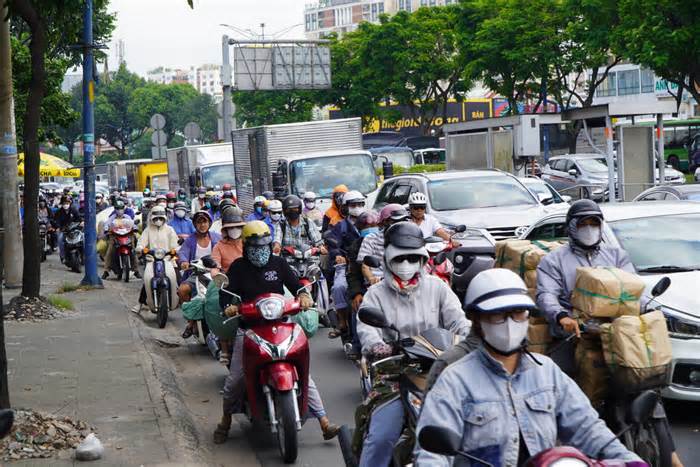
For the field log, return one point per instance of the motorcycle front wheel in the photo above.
(287, 426)
(126, 267)
(651, 442)
(162, 307)
(75, 261)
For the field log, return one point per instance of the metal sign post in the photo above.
(158, 137)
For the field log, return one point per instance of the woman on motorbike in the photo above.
(506, 404)
(258, 272)
(412, 302)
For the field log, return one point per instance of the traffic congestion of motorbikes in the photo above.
(439, 329)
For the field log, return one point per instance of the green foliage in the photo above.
(255, 108)
(61, 303)
(425, 168)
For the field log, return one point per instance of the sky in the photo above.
(169, 33)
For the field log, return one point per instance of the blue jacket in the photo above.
(345, 233)
(189, 247)
(182, 226)
(488, 407)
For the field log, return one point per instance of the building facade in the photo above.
(205, 78)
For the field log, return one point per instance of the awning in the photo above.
(50, 166)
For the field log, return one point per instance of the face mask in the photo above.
(201, 196)
(65, 206)
(158, 222)
(180, 214)
(163, 204)
(258, 255)
(368, 230)
(258, 209)
(505, 337)
(181, 196)
(310, 205)
(234, 232)
(171, 205)
(356, 211)
(588, 235)
(405, 269)
(120, 212)
(293, 215)
(276, 216)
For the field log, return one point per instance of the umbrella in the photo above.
(50, 166)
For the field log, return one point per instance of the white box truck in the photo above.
(298, 157)
(208, 165)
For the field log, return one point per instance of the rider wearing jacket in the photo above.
(63, 217)
(505, 404)
(412, 302)
(259, 272)
(119, 213)
(295, 230)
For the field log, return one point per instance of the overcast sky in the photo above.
(169, 33)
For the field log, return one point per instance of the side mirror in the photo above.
(661, 287)
(220, 279)
(372, 261)
(573, 172)
(372, 317)
(460, 228)
(642, 407)
(439, 440)
(208, 262)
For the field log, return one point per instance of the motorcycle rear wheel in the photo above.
(75, 262)
(287, 426)
(162, 307)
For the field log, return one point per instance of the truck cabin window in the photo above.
(217, 175)
(322, 174)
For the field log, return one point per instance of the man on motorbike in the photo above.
(119, 213)
(195, 247)
(230, 247)
(506, 404)
(295, 230)
(311, 211)
(214, 207)
(429, 225)
(182, 196)
(413, 302)
(226, 203)
(170, 199)
(199, 203)
(158, 235)
(334, 214)
(373, 244)
(100, 203)
(274, 208)
(259, 272)
(258, 213)
(64, 216)
(181, 223)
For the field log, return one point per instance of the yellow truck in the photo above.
(137, 174)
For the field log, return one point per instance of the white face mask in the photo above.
(588, 235)
(180, 213)
(505, 337)
(405, 269)
(158, 222)
(201, 196)
(234, 232)
(356, 211)
(310, 204)
(171, 205)
(276, 216)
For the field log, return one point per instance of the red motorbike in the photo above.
(439, 265)
(276, 367)
(122, 234)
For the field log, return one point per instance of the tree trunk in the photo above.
(32, 119)
(71, 149)
(4, 384)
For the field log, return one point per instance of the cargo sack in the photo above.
(592, 374)
(194, 309)
(607, 292)
(212, 314)
(308, 320)
(521, 256)
(538, 335)
(638, 351)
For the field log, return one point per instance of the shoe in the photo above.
(137, 274)
(187, 333)
(330, 430)
(350, 352)
(105, 275)
(136, 309)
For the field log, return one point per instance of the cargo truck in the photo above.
(137, 174)
(298, 157)
(208, 165)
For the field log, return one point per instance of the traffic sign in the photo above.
(192, 131)
(158, 138)
(157, 122)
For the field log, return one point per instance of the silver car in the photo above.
(578, 175)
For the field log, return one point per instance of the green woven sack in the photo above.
(193, 310)
(308, 320)
(212, 313)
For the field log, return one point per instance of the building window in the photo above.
(628, 82)
(608, 87)
(374, 12)
(381, 8)
(405, 5)
(647, 80)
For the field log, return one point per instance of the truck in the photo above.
(137, 174)
(207, 165)
(294, 158)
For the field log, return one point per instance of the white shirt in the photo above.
(200, 252)
(428, 226)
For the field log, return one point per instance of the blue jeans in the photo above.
(340, 288)
(59, 239)
(384, 431)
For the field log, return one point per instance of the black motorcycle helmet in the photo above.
(119, 204)
(268, 194)
(181, 192)
(584, 208)
(291, 206)
(404, 235)
(225, 203)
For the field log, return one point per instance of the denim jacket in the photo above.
(477, 398)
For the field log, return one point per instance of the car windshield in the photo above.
(593, 165)
(661, 241)
(695, 196)
(322, 174)
(434, 157)
(477, 192)
(543, 190)
(403, 158)
(217, 175)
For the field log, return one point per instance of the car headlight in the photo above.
(681, 327)
(415, 401)
(271, 308)
(159, 253)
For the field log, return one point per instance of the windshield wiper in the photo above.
(666, 268)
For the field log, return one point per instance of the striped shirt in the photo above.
(373, 245)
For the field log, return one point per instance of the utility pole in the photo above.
(9, 204)
(91, 278)
(226, 104)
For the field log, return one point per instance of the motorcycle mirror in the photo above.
(642, 407)
(661, 287)
(306, 287)
(440, 258)
(439, 440)
(460, 228)
(208, 262)
(372, 317)
(221, 280)
(372, 261)
(433, 239)
(7, 419)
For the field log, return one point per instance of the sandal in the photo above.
(225, 359)
(334, 334)
(221, 433)
(187, 332)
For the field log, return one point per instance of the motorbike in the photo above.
(306, 263)
(201, 270)
(276, 367)
(439, 265)
(122, 234)
(161, 283)
(44, 245)
(410, 368)
(73, 246)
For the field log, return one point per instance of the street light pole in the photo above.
(89, 251)
(226, 105)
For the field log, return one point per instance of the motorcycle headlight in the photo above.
(159, 253)
(415, 401)
(271, 308)
(298, 254)
(568, 462)
(682, 328)
(307, 254)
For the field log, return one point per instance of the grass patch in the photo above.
(67, 287)
(61, 303)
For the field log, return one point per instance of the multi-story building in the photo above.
(205, 78)
(343, 16)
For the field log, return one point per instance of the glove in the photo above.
(231, 311)
(305, 301)
(381, 350)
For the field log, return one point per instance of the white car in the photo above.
(697, 174)
(662, 241)
(546, 193)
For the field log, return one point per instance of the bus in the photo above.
(681, 140)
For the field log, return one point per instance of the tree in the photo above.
(68, 134)
(663, 35)
(116, 119)
(255, 108)
(52, 32)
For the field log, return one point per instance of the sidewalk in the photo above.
(94, 366)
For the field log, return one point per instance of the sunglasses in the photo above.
(500, 318)
(418, 207)
(409, 258)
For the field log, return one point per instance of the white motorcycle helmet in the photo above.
(275, 208)
(417, 199)
(496, 291)
(354, 201)
(158, 213)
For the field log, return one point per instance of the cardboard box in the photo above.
(637, 341)
(607, 292)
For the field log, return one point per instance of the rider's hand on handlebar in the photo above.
(184, 265)
(276, 248)
(323, 250)
(305, 301)
(340, 260)
(381, 350)
(570, 325)
(455, 243)
(231, 311)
